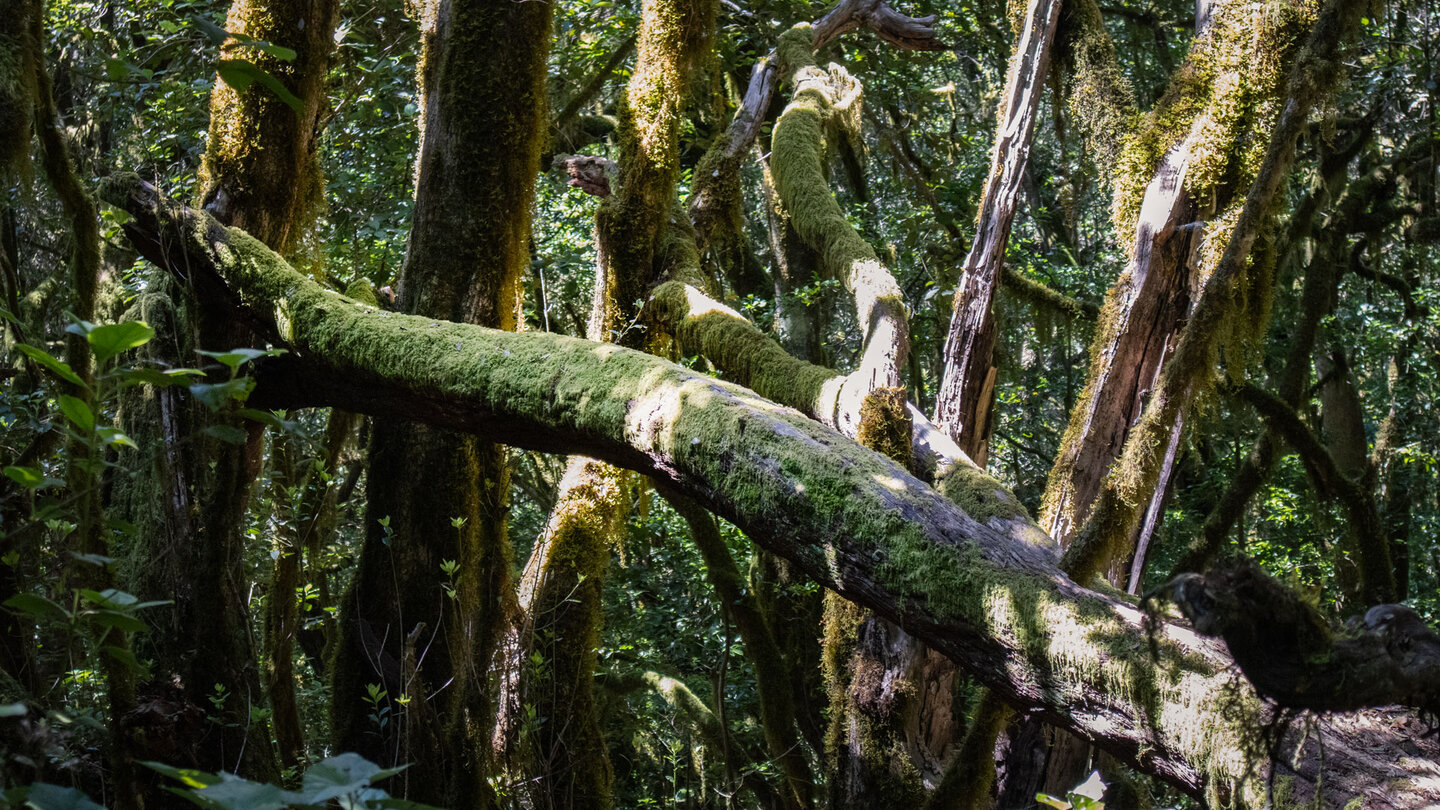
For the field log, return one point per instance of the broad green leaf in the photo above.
(217, 395)
(93, 559)
(265, 418)
(112, 339)
(115, 437)
(227, 433)
(27, 477)
(126, 657)
(118, 620)
(80, 327)
(38, 606)
(158, 378)
(77, 412)
(241, 73)
(44, 796)
(109, 597)
(235, 358)
(44, 358)
(186, 776)
(234, 793)
(13, 709)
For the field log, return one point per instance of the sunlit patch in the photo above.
(891, 483)
(702, 304)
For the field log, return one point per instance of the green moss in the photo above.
(885, 424)
(980, 495)
(363, 291)
(562, 636)
(748, 356)
(1225, 99)
(259, 168)
(630, 223)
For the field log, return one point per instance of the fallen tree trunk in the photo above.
(850, 518)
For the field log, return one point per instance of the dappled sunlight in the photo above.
(892, 483)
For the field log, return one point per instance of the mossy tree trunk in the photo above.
(853, 520)
(436, 498)
(561, 599)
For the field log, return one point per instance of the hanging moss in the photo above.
(1101, 99)
(885, 424)
(1224, 99)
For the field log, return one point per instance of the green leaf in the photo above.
(27, 477)
(337, 776)
(241, 73)
(126, 657)
(116, 437)
(146, 375)
(1092, 788)
(13, 709)
(99, 560)
(112, 339)
(234, 793)
(44, 796)
(227, 433)
(217, 395)
(235, 358)
(77, 412)
(186, 776)
(45, 359)
(38, 606)
(266, 418)
(119, 621)
(108, 597)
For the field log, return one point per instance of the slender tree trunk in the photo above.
(967, 388)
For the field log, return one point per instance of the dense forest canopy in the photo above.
(481, 403)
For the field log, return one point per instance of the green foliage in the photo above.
(347, 780)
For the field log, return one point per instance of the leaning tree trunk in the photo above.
(850, 518)
(967, 388)
(437, 499)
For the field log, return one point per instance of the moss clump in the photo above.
(885, 424)
(1224, 100)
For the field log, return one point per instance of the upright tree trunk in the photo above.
(437, 499)
(189, 504)
(561, 594)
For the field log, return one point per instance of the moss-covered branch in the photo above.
(751, 358)
(850, 518)
(825, 103)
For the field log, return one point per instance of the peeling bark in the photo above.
(967, 389)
